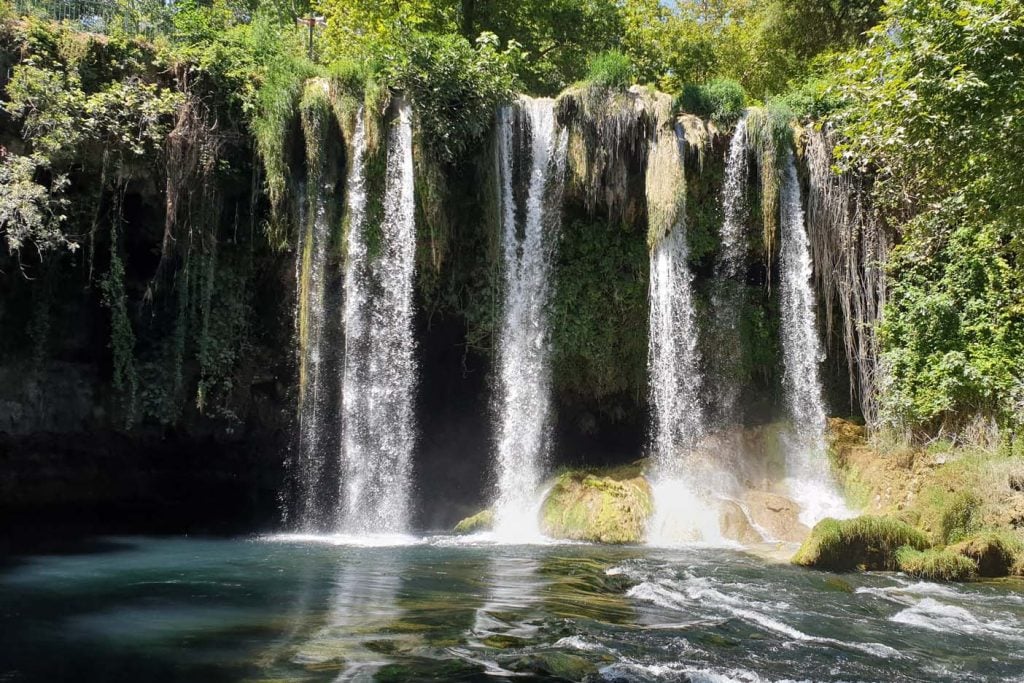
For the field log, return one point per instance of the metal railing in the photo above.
(102, 16)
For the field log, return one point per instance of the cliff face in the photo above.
(153, 358)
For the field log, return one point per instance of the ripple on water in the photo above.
(945, 618)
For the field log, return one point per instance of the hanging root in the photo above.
(849, 247)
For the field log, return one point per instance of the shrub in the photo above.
(611, 69)
(722, 101)
(811, 99)
(935, 564)
(454, 88)
(866, 542)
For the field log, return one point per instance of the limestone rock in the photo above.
(777, 515)
(481, 521)
(611, 506)
(736, 526)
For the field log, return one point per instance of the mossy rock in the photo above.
(556, 664)
(936, 564)
(501, 641)
(481, 521)
(995, 553)
(611, 506)
(867, 543)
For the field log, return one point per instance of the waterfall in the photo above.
(674, 374)
(806, 463)
(379, 372)
(316, 423)
(526, 134)
(730, 272)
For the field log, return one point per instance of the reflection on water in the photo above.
(235, 610)
(354, 640)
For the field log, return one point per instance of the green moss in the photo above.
(609, 507)
(936, 564)
(996, 553)
(500, 641)
(602, 276)
(481, 521)
(560, 665)
(866, 542)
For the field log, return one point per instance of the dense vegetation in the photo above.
(924, 97)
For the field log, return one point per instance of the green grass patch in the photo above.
(996, 553)
(611, 69)
(936, 564)
(867, 542)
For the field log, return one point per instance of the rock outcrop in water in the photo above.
(612, 506)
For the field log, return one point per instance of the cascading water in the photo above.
(674, 371)
(730, 270)
(527, 134)
(379, 374)
(316, 423)
(807, 467)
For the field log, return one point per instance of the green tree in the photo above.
(935, 111)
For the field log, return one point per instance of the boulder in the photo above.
(481, 521)
(559, 665)
(776, 516)
(609, 506)
(736, 526)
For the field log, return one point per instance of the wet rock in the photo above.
(736, 526)
(777, 515)
(611, 506)
(558, 664)
(481, 521)
(837, 585)
(500, 641)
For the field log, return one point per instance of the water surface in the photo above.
(152, 609)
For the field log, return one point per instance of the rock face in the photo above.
(735, 524)
(601, 507)
(777, 517)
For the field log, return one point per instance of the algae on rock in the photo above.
(603, 507)
(481, 521)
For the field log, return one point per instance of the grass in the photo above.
(867, 542)
(936, 564)
(610, 69)
(722, 101)
(996, 553)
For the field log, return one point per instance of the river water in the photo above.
(447, 609)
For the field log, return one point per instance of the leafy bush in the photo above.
(611, 69)
(721, 101)
(454, 87)
(812, 99)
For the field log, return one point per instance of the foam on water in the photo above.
(942, 617)
(353, 540)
